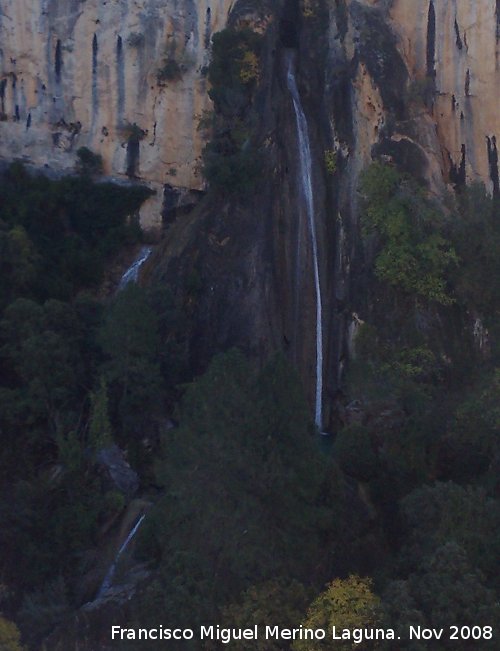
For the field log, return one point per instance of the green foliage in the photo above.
(40, 353)
(48, 523)
(279, 601)
(114, 501)
(70, 450)
(242, 474)
(43, 609)
(476, 238)
(173, 354)
(100, 427)
(233, 71)
(230, 161)
(408, 374)
(170, 71)
(346, 603)
(10, 637)
(55, 236)
(445, 512)
(472, 441)
(130, 343)
(354, 452)
(330, 161)
(445, 588)
(412, 255)
(88, 162)
(230, 168)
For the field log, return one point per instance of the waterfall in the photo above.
(132, 273)
(108, 579)
(306, 182)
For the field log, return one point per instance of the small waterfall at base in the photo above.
(108, 579)
(306, 180)
(132, 273)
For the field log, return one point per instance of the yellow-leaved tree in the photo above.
(10, 637)
(346, 604)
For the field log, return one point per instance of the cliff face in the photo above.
(377, 79)
(78, 73)
(457, 43)
(412, 81)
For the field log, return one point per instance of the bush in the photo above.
(330, 161)
(88, 162)
(354, 452)
(346, 603)
(57, 235)
(234, 172)
(170, 71)
(412, 253)
(10, 637)
(230, 161)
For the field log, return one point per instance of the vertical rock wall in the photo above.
(467, 77)
(80, 72)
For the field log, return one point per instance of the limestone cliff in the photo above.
(81, 72)
(373, 78)
(412, 81)
(456, 42)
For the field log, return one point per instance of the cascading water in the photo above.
(108, 579)
(307, 190)
(132, 273)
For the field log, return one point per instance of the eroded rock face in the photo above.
(79, 73)
(410, 81)
(457, 41)
(117, 470)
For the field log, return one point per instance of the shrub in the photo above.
(354, 452)
(330, 161)
(346, 603)
(230, 161)
(88, 162)
(170, 71)
(412, 255)
(10, 637)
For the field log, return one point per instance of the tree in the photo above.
(44, 609)
(10, 637)
(278, 601)
(412, 253)
(247, 495)
(445, 512)
(354, 452)
(346, 603)
(231, 162)
(130, 343)
(88, 162)
(100, 426)
(445, 590)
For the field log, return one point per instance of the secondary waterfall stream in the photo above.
(132, 273)
(307, 190)
(108, 579)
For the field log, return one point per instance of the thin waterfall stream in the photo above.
(132, 273)
(108, 579)
(307, 189)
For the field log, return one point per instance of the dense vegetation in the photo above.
(75, 375)
(231, 160)
(397, 524)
